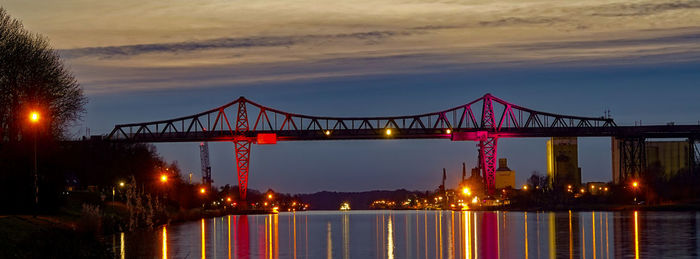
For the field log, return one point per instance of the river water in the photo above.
(423, 234)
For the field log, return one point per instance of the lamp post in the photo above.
(164, 178)
(635, 186)
(121, 185)
(34, 118)
(203, 193)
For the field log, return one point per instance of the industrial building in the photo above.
(667, 158)
(504, 176)
(631, 159)
(475, 182)
(562, 161)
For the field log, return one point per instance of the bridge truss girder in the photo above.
(479, 116)
(213, 125)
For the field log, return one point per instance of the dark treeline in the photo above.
(681, 186)
(679, 190)
(93, 166)
(358, 200)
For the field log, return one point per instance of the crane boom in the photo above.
(206, 168)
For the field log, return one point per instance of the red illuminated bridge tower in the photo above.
(485, 120)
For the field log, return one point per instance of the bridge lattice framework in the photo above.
(484, 120)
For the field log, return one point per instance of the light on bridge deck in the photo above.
(388, 132)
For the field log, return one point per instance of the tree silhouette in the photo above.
(33, 77)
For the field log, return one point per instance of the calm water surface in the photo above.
(423, 234)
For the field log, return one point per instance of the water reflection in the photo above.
(165, 243)
(390, 240)
(526, 237)
(422, 234)
(329, 243)
(204, 250)
(636, 235)
(294, 216)
(122, 251)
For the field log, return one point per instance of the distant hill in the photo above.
(326, 200)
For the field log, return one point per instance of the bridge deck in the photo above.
(659, 131)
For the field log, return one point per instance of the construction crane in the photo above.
(206, 168)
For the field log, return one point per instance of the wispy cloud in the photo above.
(640, 9)
(224, 43)
(139, 45)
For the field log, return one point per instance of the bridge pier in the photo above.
(488, 146)
(242, 146)
(694, 154)
(629, 158)
(488, 153)
(242, 166)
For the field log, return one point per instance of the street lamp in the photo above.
(34, 118)
(121, 185)
(164, 178)
(635, 186)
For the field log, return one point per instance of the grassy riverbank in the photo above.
(25, 236)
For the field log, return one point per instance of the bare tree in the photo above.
(538, 181)
(33, 77)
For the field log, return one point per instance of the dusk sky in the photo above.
(151, 60)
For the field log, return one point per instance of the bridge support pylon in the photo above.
(488, 152)
(242, 146)
(242, 166)
(629, 158)
(488, 146)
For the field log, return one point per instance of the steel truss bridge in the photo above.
(485, 120)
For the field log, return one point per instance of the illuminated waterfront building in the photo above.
(562, 161)
(504, 176)
(667, 158)
(662, 159)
